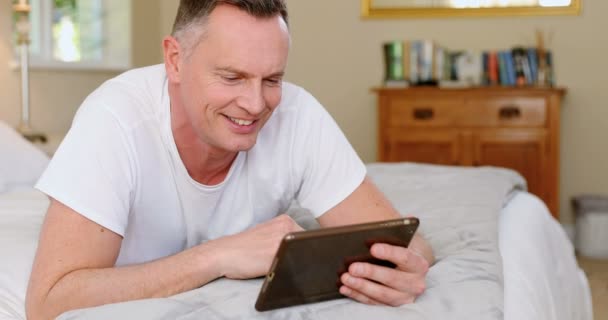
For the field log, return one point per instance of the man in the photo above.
(173, 176)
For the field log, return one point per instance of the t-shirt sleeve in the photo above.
(92, 170)
(327, 167)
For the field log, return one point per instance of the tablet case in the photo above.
(308, 264)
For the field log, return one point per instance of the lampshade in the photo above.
(21, 6)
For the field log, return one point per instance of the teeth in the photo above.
(241, 122)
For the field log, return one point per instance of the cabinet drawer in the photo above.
(424, 112)
(506, 112)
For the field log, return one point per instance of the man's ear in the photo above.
(173, 54)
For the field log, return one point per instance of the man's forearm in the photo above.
(161, 278)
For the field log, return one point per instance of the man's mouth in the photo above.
(241, 122)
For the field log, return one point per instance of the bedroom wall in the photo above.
(337, 57)
(56, 94)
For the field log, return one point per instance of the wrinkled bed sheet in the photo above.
(459, 210)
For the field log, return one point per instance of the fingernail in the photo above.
(345, 290)
(349, 280)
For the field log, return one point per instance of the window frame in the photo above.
(41, 31)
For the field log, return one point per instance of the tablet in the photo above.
(308, 264)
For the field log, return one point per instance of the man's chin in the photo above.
(242, 146)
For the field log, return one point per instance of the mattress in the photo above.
(542, 281)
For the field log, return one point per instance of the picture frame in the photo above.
(394, 9)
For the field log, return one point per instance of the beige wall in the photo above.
(55, 95)
(168, 9)
(147, 49)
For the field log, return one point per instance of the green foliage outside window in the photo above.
(66, 31)
(65, 4)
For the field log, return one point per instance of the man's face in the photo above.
(231, 82)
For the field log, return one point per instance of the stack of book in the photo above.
(416, 62)
(423, 62)
(519, 66)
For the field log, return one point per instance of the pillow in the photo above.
(21, 162)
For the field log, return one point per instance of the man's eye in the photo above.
(273, 82)
(231, 78)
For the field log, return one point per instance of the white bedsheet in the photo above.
(21, 214)
(541, 277)
(542, 281)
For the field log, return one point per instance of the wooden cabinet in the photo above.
(517, 128)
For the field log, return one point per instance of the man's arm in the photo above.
(74, 265)
(389, 286)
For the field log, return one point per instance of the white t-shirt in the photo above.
(119, 167)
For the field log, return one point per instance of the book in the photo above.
(511, 68)
(527, 68)
(518, 62)
(453, 84)
(425, 60)
(485, 77)
(550, 74)
(469, 67)
(447, 65)
(503, 73)
(396, 83)
(414, 68)
(453, 57)
(438, 63)
(493, 77)
(406, 64)
(533, 62)
(393, 59)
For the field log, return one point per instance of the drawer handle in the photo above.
(509, 112)
(423, 113)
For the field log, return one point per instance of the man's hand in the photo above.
(373, 284)
(249, 254)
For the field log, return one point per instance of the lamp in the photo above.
(22, 8)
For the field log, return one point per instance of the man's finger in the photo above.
(399, 280)
(375, 291)
(358, 296)
(405, 259)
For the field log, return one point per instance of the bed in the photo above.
(500, 253)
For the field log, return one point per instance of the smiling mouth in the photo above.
(241, 122)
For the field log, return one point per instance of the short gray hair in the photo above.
(193, 14)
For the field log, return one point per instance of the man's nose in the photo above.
(252, 99)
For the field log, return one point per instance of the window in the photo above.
(80, 34)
